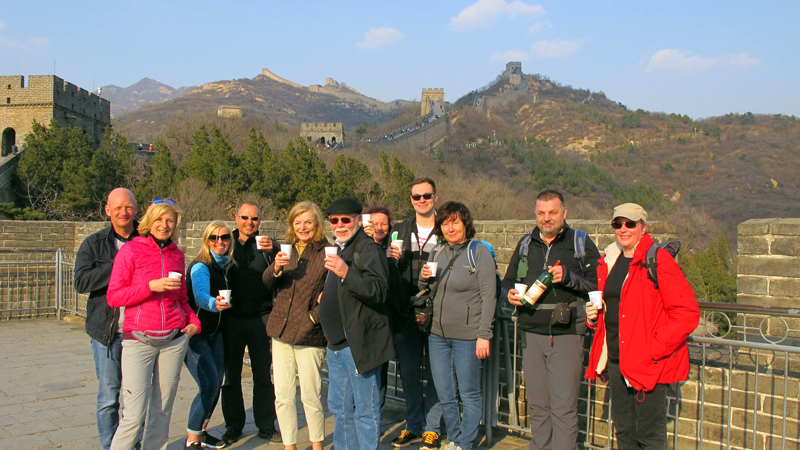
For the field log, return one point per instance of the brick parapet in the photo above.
(769, 262)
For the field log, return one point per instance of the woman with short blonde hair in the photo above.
(147, 279)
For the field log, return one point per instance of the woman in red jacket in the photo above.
(640, 332)
(157, 327)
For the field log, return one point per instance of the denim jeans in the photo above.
(354, 401)
(455, 366)
(639, 424)
(205, 360)
(423, 413)
(108, 367)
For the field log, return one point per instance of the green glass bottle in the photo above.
(538, 287)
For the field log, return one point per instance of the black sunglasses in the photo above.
(224, 237)
(344, 220)
(427, 196)
(629, 224)
(245, 218)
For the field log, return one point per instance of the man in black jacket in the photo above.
(245, 325)
(423, 412)
(104, 324)
(553, 358)
(354, 318)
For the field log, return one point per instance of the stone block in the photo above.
(753, 245)
(769, 266)
(755, 226)
(785, 246)
(35, 427)
(751, 285)
(782, 302)
(786, 226)
(785, 287)
(492, 226)
(496, 240)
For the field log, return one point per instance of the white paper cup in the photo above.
(434, 266)
(398, 244)
(177, 275)
(226, 295)
(365, 218)
(521, 288)
(596, 297)
(258, 240)
(330, 251)
(287, 248)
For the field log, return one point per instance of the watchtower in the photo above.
(328, 131)
(431, 97)
(48, 97)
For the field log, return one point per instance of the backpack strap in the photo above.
(473, 245)
(524, 246)
(580, 246)
(651, 263)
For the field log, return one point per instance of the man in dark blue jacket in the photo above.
(104, 324)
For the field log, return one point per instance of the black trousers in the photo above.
(251, 333)
(640, 418)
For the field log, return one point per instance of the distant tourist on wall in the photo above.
(103, 323)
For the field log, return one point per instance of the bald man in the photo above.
(103, 323)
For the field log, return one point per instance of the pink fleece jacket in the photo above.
(137, 263)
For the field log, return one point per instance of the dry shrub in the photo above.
(198, 202)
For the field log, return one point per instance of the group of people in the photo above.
(350, 303)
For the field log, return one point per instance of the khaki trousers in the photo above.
(150, 375)
(290, 363)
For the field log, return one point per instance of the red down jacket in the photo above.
(653, 323)
(137, 263)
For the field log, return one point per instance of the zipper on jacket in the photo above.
(161, 303)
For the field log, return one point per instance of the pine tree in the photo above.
(164, 170)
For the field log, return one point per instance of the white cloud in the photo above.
(511, 55)
(674, 61)
(13, 44)
(377, 37)
(556, 48)
(486, 12)
(539, 26)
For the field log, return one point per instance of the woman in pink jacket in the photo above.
(157, 327)
(640, 331)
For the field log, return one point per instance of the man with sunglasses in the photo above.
(104, 324)
(423, 412)
(553, 358)
(354, 315)
(245, 325)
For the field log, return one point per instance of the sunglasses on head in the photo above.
(416, 197)
(629, 224)
(223, 237)
(344, 220)
(245, 218)
(168, 201)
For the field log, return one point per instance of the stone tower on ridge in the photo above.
(431, 97)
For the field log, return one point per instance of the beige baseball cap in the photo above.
(630, 211)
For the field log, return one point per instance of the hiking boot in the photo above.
(231, 436)
(270, 434)
(430, 441)
(406, 438)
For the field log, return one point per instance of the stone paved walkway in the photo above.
(48, 394)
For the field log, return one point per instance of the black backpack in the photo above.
(651, 260)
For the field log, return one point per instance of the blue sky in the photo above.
(699, 58)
